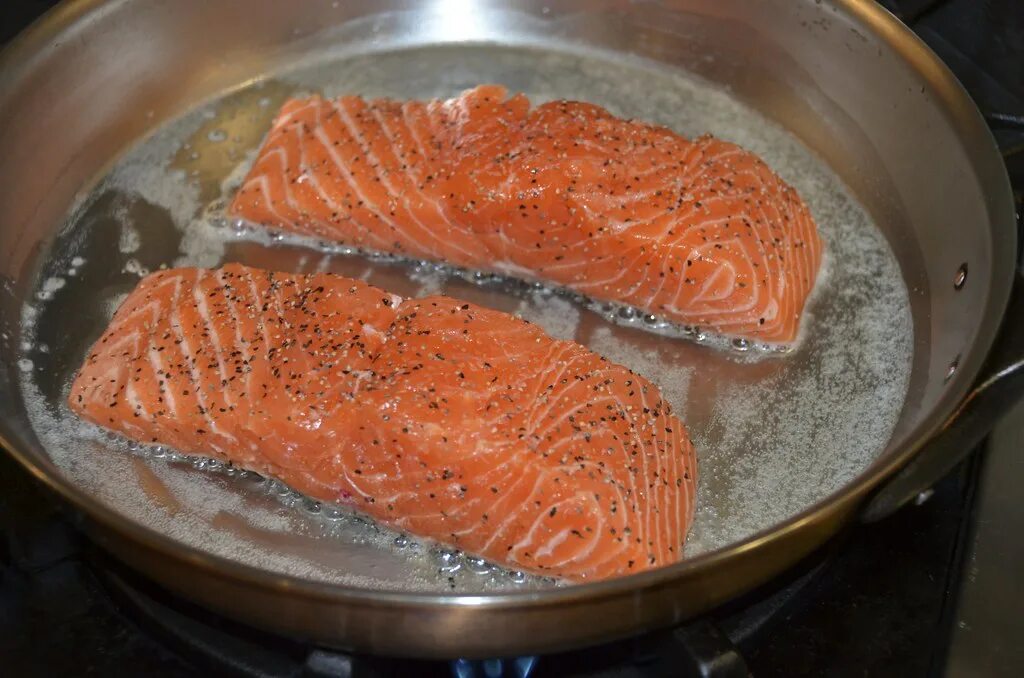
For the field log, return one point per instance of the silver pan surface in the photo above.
(777, 434)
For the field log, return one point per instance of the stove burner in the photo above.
(493, 668)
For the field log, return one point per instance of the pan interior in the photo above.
(774, 433)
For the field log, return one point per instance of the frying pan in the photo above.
(123, 123)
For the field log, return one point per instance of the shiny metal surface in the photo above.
(913, 149)
(995, 393)
(161, 206)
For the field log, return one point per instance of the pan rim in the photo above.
(870, 16)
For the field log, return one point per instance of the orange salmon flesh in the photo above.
(433, 416)
(698, 232)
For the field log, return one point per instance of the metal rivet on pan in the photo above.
(961, 276)
(923, 496)
(951, 370)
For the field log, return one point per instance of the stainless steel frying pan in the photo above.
(124, 123)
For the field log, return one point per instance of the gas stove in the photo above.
(928, 591)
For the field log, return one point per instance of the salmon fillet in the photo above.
(698, 232)
(437, 417)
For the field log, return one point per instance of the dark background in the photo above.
(16, 14)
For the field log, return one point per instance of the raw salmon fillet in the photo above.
(434, 416)
(699, 232)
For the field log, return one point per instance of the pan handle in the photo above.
(998, 389)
